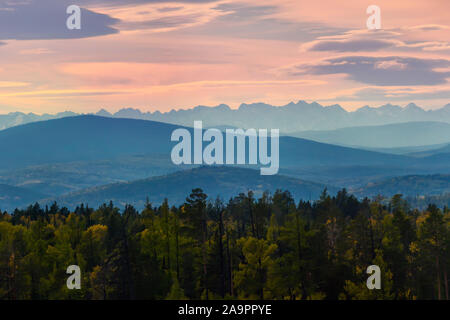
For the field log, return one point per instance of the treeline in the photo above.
(247, 248)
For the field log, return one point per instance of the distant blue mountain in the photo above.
(81, 138)
(74, 153)
(396, 135)
(63, 177)
(90, 137)
(290, 118)
(17, 118)
(437, 152)
(410, 185)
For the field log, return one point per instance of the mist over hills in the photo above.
(88, 138)
(292, 117)
(445, 149)
(385, 136)
(56, 158)
(413, 151)
(410, 185)
(215, 181)
(63, 177)
(12, 197)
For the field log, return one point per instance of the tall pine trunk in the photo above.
(438, 277)
(445, 282)
(222, 262)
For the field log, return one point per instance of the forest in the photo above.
(267, 247)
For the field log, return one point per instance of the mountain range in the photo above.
(409, 134)
(290, 118)
(18, 118)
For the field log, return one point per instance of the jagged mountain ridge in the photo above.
(292, 117)
(13, 119)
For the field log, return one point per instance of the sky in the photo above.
(163, 55)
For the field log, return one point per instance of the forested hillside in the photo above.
(246, 248)
(216, 181)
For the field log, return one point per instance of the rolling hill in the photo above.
(81, 138)
(73, 153)
(59, 178)
(215, 181)
(411, 185)
(386, 136)
(413, 151)
(87, 138)
(445, 149)
(12, 197)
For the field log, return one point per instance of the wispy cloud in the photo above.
(377, 40)
(381, 71)
(163, 54)
(394, 94)
(36, 51)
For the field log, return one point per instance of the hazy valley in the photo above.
(95, 159)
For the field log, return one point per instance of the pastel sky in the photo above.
(163, 55)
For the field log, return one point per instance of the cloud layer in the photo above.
(163, 54)
(46, 19)
(381, 71)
